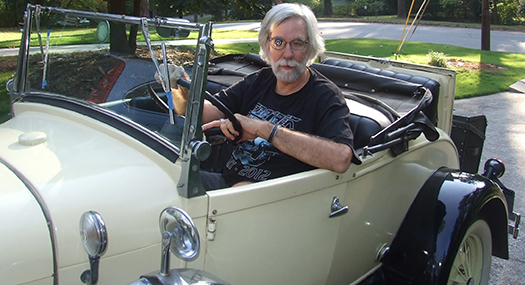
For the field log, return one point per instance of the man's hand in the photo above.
(176, 72)
(250, 127)
(180, 95)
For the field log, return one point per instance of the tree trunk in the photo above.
(118, 41)
(144, 8)
(327, 8)
(495, 15)
(485, 25)
(401, 9)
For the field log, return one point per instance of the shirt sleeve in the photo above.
(334, 121)
(233, 97)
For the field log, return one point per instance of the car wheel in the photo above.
(474, 256)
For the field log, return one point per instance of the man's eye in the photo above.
(278, 42)
(297, 44)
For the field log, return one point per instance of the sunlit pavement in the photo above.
(505, 137)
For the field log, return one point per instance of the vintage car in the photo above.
(94, 153)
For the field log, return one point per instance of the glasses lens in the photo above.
(278, 43)
(298, 45)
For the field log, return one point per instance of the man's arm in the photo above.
(313, 150)
(210, 112)
(316, 151)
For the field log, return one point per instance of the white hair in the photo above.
(281, 12)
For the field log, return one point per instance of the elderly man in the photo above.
(293, 118)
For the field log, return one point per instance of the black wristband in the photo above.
(272, 133)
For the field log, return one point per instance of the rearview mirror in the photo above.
(173, 32)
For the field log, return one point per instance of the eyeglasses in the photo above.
(279, 44)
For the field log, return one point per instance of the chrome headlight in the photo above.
(178, 229)
(93, 234)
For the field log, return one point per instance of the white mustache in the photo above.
(286, 62)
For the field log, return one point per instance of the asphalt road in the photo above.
(505, 135)
(505, 111)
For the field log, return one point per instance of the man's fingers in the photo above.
(210, 125)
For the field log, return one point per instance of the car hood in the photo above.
(78, 164)
(26, 243)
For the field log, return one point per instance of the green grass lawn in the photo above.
(71, 36)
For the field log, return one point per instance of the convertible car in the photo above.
(100, 178)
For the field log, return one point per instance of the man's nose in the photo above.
(287, 51)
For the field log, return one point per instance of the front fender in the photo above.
(27, 243)
(424, 248)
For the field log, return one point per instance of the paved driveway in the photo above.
(505, 137)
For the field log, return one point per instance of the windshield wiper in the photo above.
(38, 11)
(164, 76)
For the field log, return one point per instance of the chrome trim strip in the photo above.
(45, 211)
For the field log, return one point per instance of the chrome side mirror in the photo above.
(179, 235)
(95, 240)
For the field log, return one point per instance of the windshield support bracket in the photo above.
(192, 138)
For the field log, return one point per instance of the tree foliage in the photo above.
(508, 12)
(503, 11)
(12, 11)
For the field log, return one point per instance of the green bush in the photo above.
(437, 59)
(344, 10)
(508, 12)
(316, 6)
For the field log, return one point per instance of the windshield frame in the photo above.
(192, 138)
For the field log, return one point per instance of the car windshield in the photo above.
(112, 66)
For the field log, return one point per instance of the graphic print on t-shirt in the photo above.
(249, 156)
(275, 117)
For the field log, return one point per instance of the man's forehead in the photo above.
(294, 25)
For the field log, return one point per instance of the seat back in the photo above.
(374, 80)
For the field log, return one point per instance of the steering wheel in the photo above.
(236, 124)
(213, 100)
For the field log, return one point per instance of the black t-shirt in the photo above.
(318, 108)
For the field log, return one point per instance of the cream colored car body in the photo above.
(263, 232)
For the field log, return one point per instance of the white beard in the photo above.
(288, 75)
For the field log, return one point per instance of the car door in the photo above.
(274, 232)
(378, 197)
(280, 232)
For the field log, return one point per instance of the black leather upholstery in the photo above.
(363, 82)
(364, 128)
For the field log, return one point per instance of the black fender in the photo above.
(426, 243)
